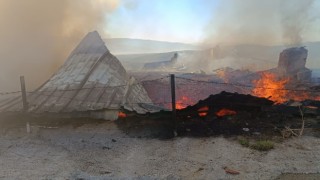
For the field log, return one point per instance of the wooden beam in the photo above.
(24, 94)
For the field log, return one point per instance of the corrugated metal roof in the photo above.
(91, 79)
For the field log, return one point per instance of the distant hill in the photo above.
(139, 46)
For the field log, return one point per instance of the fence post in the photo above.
(173, 102)
(24, 94)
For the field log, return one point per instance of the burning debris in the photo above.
(228, 103)
(183, 102)
(233, 113)
(229, 75)
(225, 112)
(270, 87)
(121, 114)
(291, 80)
(203, 111)
(281, 84)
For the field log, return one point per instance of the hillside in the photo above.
(139, 46)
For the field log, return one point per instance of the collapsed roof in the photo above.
(90, 79)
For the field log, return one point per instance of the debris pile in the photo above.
(233, 113)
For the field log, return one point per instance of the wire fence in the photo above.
(247, 86)
(182, 78)
(188, 91)
(86, 88)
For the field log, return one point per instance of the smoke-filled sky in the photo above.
(37, 35)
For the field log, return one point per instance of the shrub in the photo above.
(244, 142)
(263, 145)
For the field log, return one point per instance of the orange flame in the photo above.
(274, 89)
(202, 112)
(222, 74)
(122, 114)
(183, 102)
(269, 87)
(225, 112)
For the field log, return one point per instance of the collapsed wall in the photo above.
(292, 62)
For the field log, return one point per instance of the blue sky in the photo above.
(168, 20)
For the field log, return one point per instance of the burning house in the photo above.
(92, 82)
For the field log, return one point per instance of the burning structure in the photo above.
(92, 82)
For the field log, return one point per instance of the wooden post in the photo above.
(173, 102)
(24, 94)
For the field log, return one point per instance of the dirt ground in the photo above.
(102, 151)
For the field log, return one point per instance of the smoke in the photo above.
(295, 18)
(37, 35)
(284, 22)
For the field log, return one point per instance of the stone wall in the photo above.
(292, 62)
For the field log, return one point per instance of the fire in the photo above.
(180, 106)
(275, 89)
(122, 114)
(202, 112)
(222, 74)
(225, 112)
(183, 102)
(270, 87)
